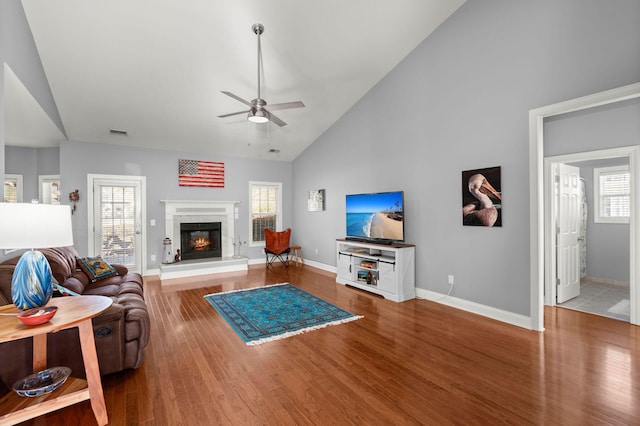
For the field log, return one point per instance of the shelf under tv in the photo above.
(387, 270)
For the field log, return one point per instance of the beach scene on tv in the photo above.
(375, 216)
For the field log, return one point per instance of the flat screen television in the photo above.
(377, 217)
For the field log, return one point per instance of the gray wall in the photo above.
(48, 161)
(78, 159)
(30, 163)
(607, 243)
(23, 161)
(460, 101)
(18, 50)
(609, 126)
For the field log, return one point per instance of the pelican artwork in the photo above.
(481, 212)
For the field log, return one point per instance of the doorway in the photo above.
(604, 287)
(538, 200)
(116, 216)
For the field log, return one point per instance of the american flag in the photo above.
(201, 173)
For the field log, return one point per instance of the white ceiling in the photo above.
(155, 68)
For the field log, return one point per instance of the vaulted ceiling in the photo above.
(156, 68)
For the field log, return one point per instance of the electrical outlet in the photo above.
(451, 279)
(316, 251)
(153, 257)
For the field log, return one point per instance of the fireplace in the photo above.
(177, 212)
(201, 240)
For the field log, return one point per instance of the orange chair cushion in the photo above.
(277, 242)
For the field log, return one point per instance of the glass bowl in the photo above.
(42, 382)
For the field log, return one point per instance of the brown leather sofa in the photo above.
(121, 332)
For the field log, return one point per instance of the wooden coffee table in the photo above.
(72, 312)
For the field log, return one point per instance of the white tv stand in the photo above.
(387, 270)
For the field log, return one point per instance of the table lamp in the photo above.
(33, 226)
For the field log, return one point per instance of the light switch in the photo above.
(152, 222)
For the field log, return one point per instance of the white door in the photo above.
(116, 230)
(568, 231)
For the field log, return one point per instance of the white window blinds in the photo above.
(265, 209)
(612, 198)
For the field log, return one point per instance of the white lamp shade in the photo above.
(33, 226)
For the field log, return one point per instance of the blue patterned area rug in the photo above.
(264, 314)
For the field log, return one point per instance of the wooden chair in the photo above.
(277, 246)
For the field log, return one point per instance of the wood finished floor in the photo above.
(415, 362)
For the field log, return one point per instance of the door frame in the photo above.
(632, 153)
(142, 181)
(537, 201)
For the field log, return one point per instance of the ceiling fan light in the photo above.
(259, 116)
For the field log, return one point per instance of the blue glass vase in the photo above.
(31, 285)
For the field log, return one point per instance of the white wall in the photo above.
(460, 101)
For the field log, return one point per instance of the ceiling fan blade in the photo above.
(237, 98)
(233, 113)
(276, 120)
(285, 105)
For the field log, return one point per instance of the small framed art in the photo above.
(315, 201)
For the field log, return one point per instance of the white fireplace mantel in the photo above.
(191, 211)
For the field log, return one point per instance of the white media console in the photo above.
(387, 270)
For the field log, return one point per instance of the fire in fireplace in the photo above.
(201, 240)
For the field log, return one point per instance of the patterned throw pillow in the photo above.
(95, 268)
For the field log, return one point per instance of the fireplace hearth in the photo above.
(201, 240)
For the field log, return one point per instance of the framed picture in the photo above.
(208, 174)
(315, 201)
(482, 197)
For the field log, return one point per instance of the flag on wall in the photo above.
(201, 173)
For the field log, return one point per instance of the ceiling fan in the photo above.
(259, 111)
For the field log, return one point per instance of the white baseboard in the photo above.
(257, 261)
(322, 266)
(605, 281)
(476, 308)
(154, 271)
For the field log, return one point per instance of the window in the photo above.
(12, 188)
(49, 189)
(266, 208)
(612, 199)
(118, 224)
